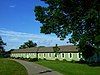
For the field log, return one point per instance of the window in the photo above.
(44, 54)
(49, 54)
(80, 55)
(70, 55)
(62, 54)
(55, 54)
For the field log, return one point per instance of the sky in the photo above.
(18, 24)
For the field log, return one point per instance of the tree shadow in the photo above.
(45, 71)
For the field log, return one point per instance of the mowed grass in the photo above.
(67, 68)
(10, 67)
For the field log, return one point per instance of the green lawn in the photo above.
(67, 68)
(10, 67)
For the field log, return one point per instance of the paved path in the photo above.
(35, 69)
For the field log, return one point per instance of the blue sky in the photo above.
(18, 24)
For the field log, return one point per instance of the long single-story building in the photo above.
(68, 52)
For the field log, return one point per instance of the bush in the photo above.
(44, 58)
(17, 58)
(39, 59)
(81, 61)
(12, 57)
(56, 59)
(22, 58)
(72, 61)
(64, 60)
(35, 59)
(30, 59)
(26, 59)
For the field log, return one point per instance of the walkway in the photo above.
(35, 69)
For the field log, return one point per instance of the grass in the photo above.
(10, 67)
(68, 68)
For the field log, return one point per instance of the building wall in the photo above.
(49, 56)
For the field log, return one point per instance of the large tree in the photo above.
(80, 18)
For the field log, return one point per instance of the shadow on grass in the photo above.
(94, 64)
(45, 71)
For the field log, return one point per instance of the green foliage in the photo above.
(64, 60)
(56, 50)
(72, 61)
(32, 59)
(88, 51)
(56, 59)
(44, 58)
(80, 18)
(81, 61)
(2, 50)
(97, 42)
(28, 44)
(1, 56)
(1, 42)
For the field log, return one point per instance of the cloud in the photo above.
(15, 39)
(12, 6)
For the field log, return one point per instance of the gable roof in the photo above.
(67, 48)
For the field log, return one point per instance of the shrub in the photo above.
(64, 60)
(81, 61)
(35, 59)
(72, 61)
(17, 57)
(39, 59)
(56, 59)
(44, 58)
(1, 56)
(22, 58)
(12, 57)
(30, 59)
(26, 59)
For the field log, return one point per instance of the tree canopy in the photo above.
(28, 44)
(56, 49)
(2, 42)
(2, 45)
(80, 18)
